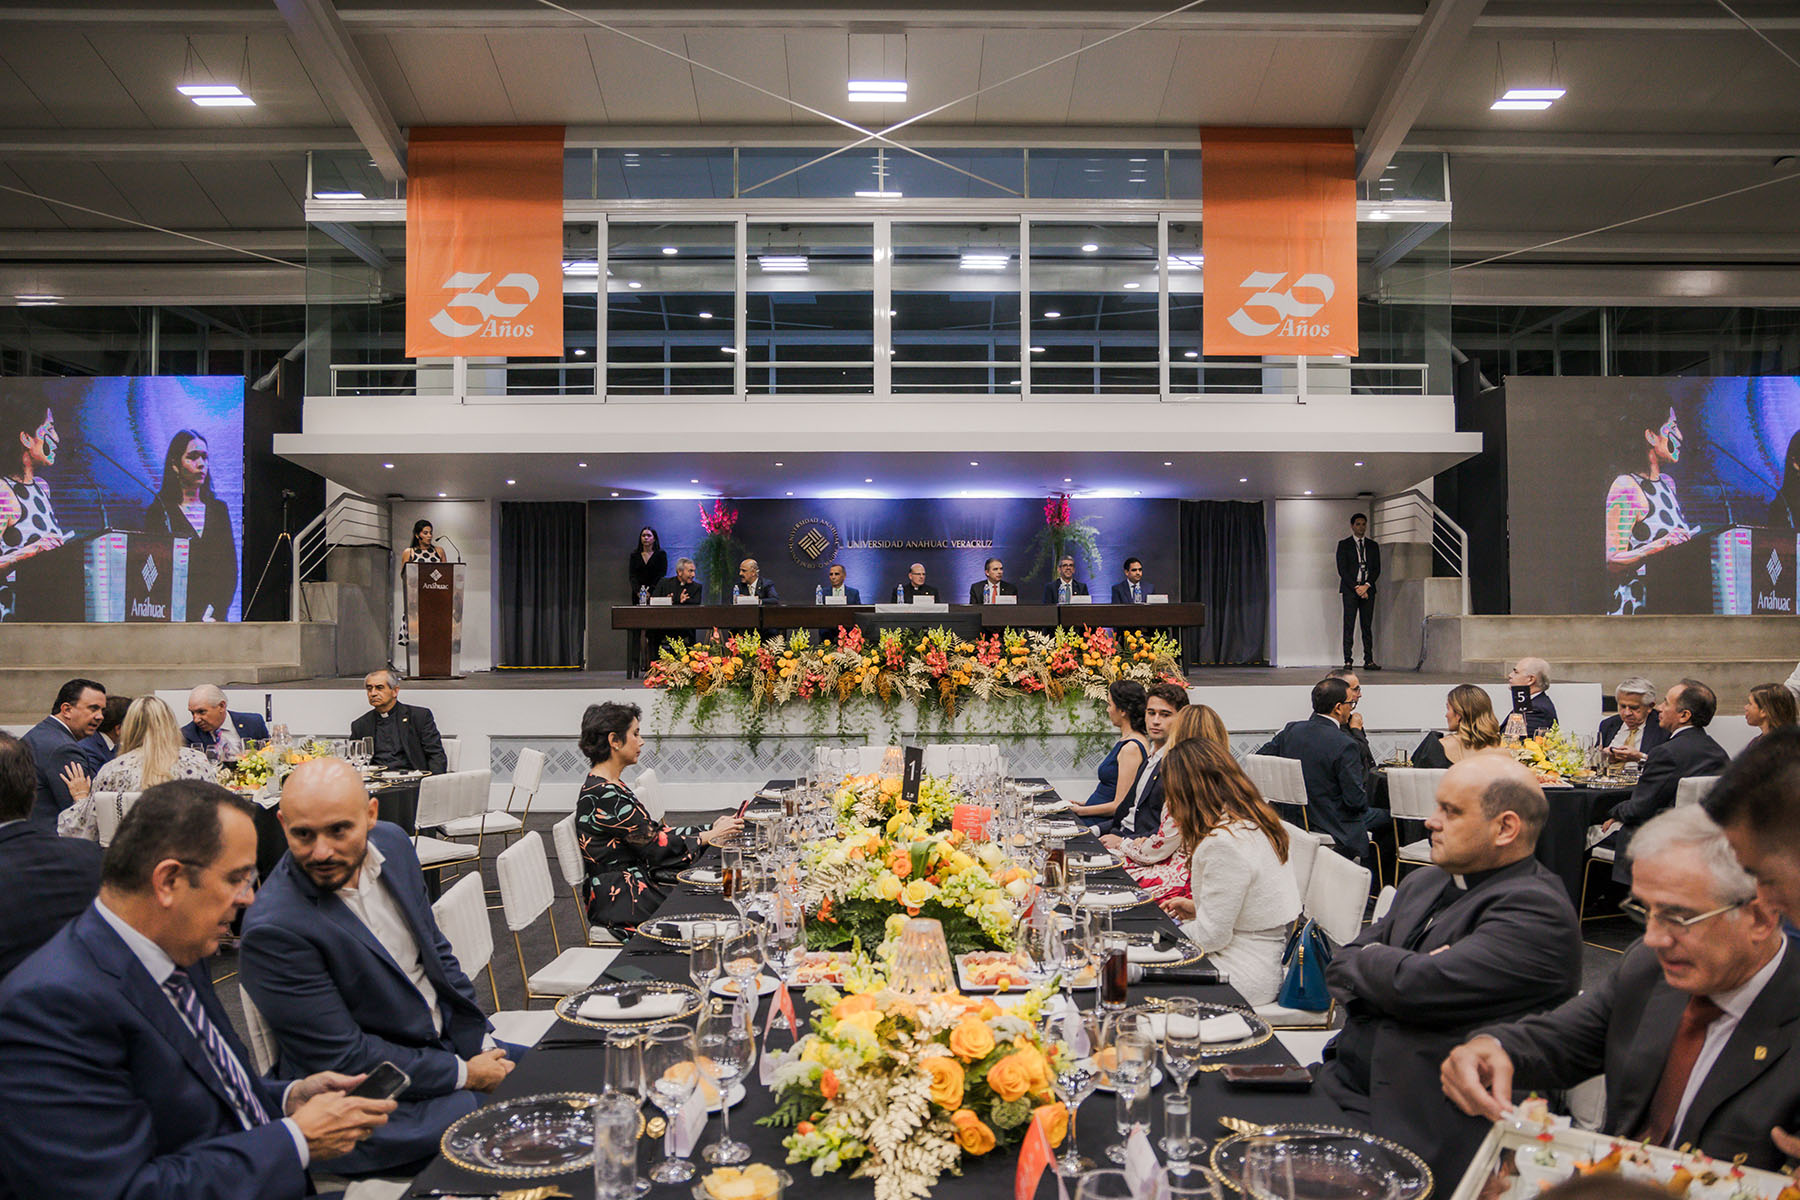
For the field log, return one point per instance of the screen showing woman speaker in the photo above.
(122, 498)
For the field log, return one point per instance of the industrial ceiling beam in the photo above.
(337, 67)
(1429, 56)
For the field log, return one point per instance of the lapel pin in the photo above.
(1760, 1053)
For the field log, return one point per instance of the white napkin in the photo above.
(650, 1006)
(705, 875)
(684, 1131)
(1096, 862)
(1226, 1027)
(724, 927)
(1108, 898)
(1150, 954)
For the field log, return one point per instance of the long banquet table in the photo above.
(572, 1059)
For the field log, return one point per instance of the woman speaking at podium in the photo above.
(423, 549)
(28, 525)
(185, 507)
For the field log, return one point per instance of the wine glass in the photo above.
(1075, 1071)
(1182, 1047)
(1104, 1184)
(784, 937)
(741, 952)
(672, 1079)
(703, 954)
(624, 1075)
(725, 1047)
(1133, 1060)
(1074, 883)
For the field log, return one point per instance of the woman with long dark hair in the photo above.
(1784, 509)
(1768, 707)
(1643, 512)
(28, 525)
(1117, 776)
(1157, 863)
(185, 507)
(646, 566)
(423, 548)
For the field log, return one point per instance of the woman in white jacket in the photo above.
(1244, 898)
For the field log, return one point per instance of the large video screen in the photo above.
(1653, 495)
(158, 458)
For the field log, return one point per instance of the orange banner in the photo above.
(1279, 234)
(484, 241)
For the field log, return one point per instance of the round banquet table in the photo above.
(571, 1058)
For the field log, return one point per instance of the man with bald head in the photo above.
(343, 957)
(214, 725)
(752, 583)
(1484, 934)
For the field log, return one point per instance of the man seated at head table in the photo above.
(835, 587)
(1064, 585)
(346, 963)
(1484, 934)
(405, 735)
(1688, 750)
(915, 585)
(1631, 733)
(120, 1074)
(1694, 1027)
(751, 582)
(52, 878)
(992, 585)
(1132, 589)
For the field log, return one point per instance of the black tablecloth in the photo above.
(1562, 846)
(575, 1062)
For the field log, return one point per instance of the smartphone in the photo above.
(383, 1083)
(1275, 1077)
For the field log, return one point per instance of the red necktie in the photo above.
(1684, 1051)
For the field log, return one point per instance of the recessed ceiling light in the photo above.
(1140, 160)
(1089, 247)
(1535, 93)
(580, 352)
(1037, 349)
(1066, 479)
(615, 493)
(1241, 479)
(339, 196)
(727, 349)
(1308, 492)
(984, 261)
(1137, 493)
(443, 495)
(224, 102)
(633, 284)
(878, 194)
(1050, 314)
(671, 250)
(1192, 354)
(791, 263)
(511, 482)
(705, 316)
(868, 481)
(693, 481)
(1358, 463)
(790, 493)
(1502, 105)
(389, 466)
(581, 464)
(974, 462)
(191, 90)
(878, 91)
(1014, 383)
(1133, 284)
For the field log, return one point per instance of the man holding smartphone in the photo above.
(345, 961)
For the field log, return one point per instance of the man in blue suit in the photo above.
(52, 878)
(350, 970)
(1132, 589)
(120, 1075)
(1331, 762)
(216, 725)
(1064, 585)
(55, 749)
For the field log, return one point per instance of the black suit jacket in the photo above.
(762, 589)
(673, 587)
(418, 736)
(1346, 564)
(1336, 786)
(1121, 591)
(978, 589)
(1540, 713)
(1653, 734)
(248, 725)
(95, 753)
(909, 591)
(1146, 808)
(1513, 947)
(53, 748)
(1688, 751)
(1623, 1029)
(1054, 587)
(52, 880)
(851, 595)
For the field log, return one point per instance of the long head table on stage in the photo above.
(991, 616)
(571, 1058)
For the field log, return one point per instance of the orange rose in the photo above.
(971, 1039)
(1055, 1120)
(850, 1005)
(971, 1134)
(1036, 1069)
(900, 863)
(828, 1084)
(1010, 1078)
(946, 1081)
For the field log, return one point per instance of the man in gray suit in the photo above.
(1485, 934)
(1693, 1029)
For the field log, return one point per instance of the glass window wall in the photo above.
(810, 308)
(1093, 309)
(955, 308)
(671, 309)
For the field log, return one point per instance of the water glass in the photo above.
(1081, 1034)
(703, 955)
(623, 1075)
(741, 952)
(725, 1047)
(1182, 1047)
(1178, 1123)
(671, 1079)
(615, 1147)
(1106, 1184)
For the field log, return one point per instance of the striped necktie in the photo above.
(225, 1064)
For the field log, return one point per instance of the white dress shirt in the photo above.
(1736, 1003)
(1626, 738)
(160, 966)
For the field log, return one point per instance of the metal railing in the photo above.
(349, 520)
(1412, 516)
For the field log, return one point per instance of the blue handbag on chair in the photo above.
(1304, 961)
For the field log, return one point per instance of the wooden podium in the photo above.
(1739, 570)
(113, 575)
(434, 606)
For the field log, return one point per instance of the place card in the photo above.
(1157, 598)
(746, 600)
(1080, 600)
(661, 601)
(1006, 599)
(838, 600)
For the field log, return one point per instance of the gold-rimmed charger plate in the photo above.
(689, 1004)
(1349, 1154)
(705, 879)
(548, 1134)
(677, 930)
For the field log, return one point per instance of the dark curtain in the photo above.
(1225, 566)
(543, 584)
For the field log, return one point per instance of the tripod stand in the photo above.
(285, 539)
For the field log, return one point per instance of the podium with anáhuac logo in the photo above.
(434, 605)
(113, 575)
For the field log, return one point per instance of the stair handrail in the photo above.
(349, 520)
(1442, 533)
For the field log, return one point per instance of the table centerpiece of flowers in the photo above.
(875, 799)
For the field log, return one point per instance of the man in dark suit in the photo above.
(993, 585)
(342, 956)
(1132, 589)
(1484, 934)
(79, 706)
(101, 746)
(215, 725)
(120, 1074)
(1336, 788)
(1694, 1028)
(751, 582)
(405, 735)
(51, 878)
(1629, 734)
(681, 588)
(1143, 813)
(1539, 710)
(835, 587)
(1065, 585)
(915, 585)
(1685, 713)
(1358, 567)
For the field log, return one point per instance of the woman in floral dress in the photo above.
(629, 858)
(1155, 862)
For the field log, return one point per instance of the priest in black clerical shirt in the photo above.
(915, 585)
(405, 735)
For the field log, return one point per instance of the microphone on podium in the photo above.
(459, 554)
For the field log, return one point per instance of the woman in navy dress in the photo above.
(1118, 773)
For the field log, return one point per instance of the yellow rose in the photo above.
(971, 1039)
(960, 862)
(1055, 1119)
(971, 1134)
(1009, 1078)
(946, 1081)
(890, 787)
(888, 887)
(865, 1022)
(916, 893)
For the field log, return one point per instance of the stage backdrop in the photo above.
(100, 457)
(1592, 530)
(876, 540)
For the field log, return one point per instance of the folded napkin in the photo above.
(1096, 862)
(705, 875)
(650, 1006)
(1226, 1027)
(1108, 898)
(1151, 954)
(724, 926)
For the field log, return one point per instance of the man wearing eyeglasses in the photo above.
(1693, 1029)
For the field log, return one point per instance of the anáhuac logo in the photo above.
(813, 543)
(1772, 601)
(435, 581)
(494, 315)
(1773, 567)
(1288, 310)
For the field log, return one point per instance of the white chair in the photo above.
(1306, 1045)
(1338, 896)
(528, 775)
(1605, 856)
(110, 809)
(442, 800)
(1303, 847)
(1280, 781)
(649, 791)
(452, 754)
(264, 1050)
(1693, 789)
(462, 916)
(568, 859)
(526, 894)
(1412, 796)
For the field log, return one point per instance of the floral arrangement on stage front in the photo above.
(927, 667)
(904, 1088)
(875, 799)
(857, 885)
(1553, 754)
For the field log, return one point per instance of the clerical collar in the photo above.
(1476, 879)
